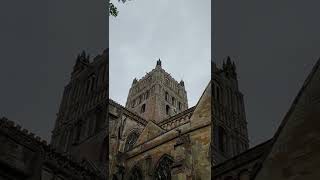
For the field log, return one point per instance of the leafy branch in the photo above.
(113, 11)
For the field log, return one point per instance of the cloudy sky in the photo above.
(178, 32)
(275, 45)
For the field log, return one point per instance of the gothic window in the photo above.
(136, 174)
(179, 105)
(166, 96)
(163, 169)
(143, 108)
(147, 94)
(167, 109)
(131, 140)
(173, 100)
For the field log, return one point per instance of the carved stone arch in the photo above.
(136, 173)
(163, 168)
(131, 140)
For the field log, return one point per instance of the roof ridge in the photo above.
(291, 109)
(127, 110)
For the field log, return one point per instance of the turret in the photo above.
(81, 62)
(134, 81)
(229, 68)
(158, 63)
(181, 83)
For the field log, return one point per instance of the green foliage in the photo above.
(113, 10)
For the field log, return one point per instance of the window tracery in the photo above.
(163, 169)
(131, 140)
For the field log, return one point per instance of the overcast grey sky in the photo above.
(275, 43)
(39, 42)
(178, 32)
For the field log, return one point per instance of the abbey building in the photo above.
(157, 136)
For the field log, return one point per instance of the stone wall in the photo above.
(24, 156)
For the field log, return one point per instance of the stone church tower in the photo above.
(157, 96)
(156, 135)
(81, 128)
(230, 125)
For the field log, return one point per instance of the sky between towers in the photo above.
(178, 32)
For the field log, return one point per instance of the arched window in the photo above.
(166, 96)
(131, 140)
(136, 174)
(163, 168)
(173, 101)
(167, 109)
(143, 108)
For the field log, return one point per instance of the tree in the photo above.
(113, 11)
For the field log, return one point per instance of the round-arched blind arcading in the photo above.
(136, 174)
(163, 168)
(131, 140)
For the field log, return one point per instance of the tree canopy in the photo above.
(113, 10)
